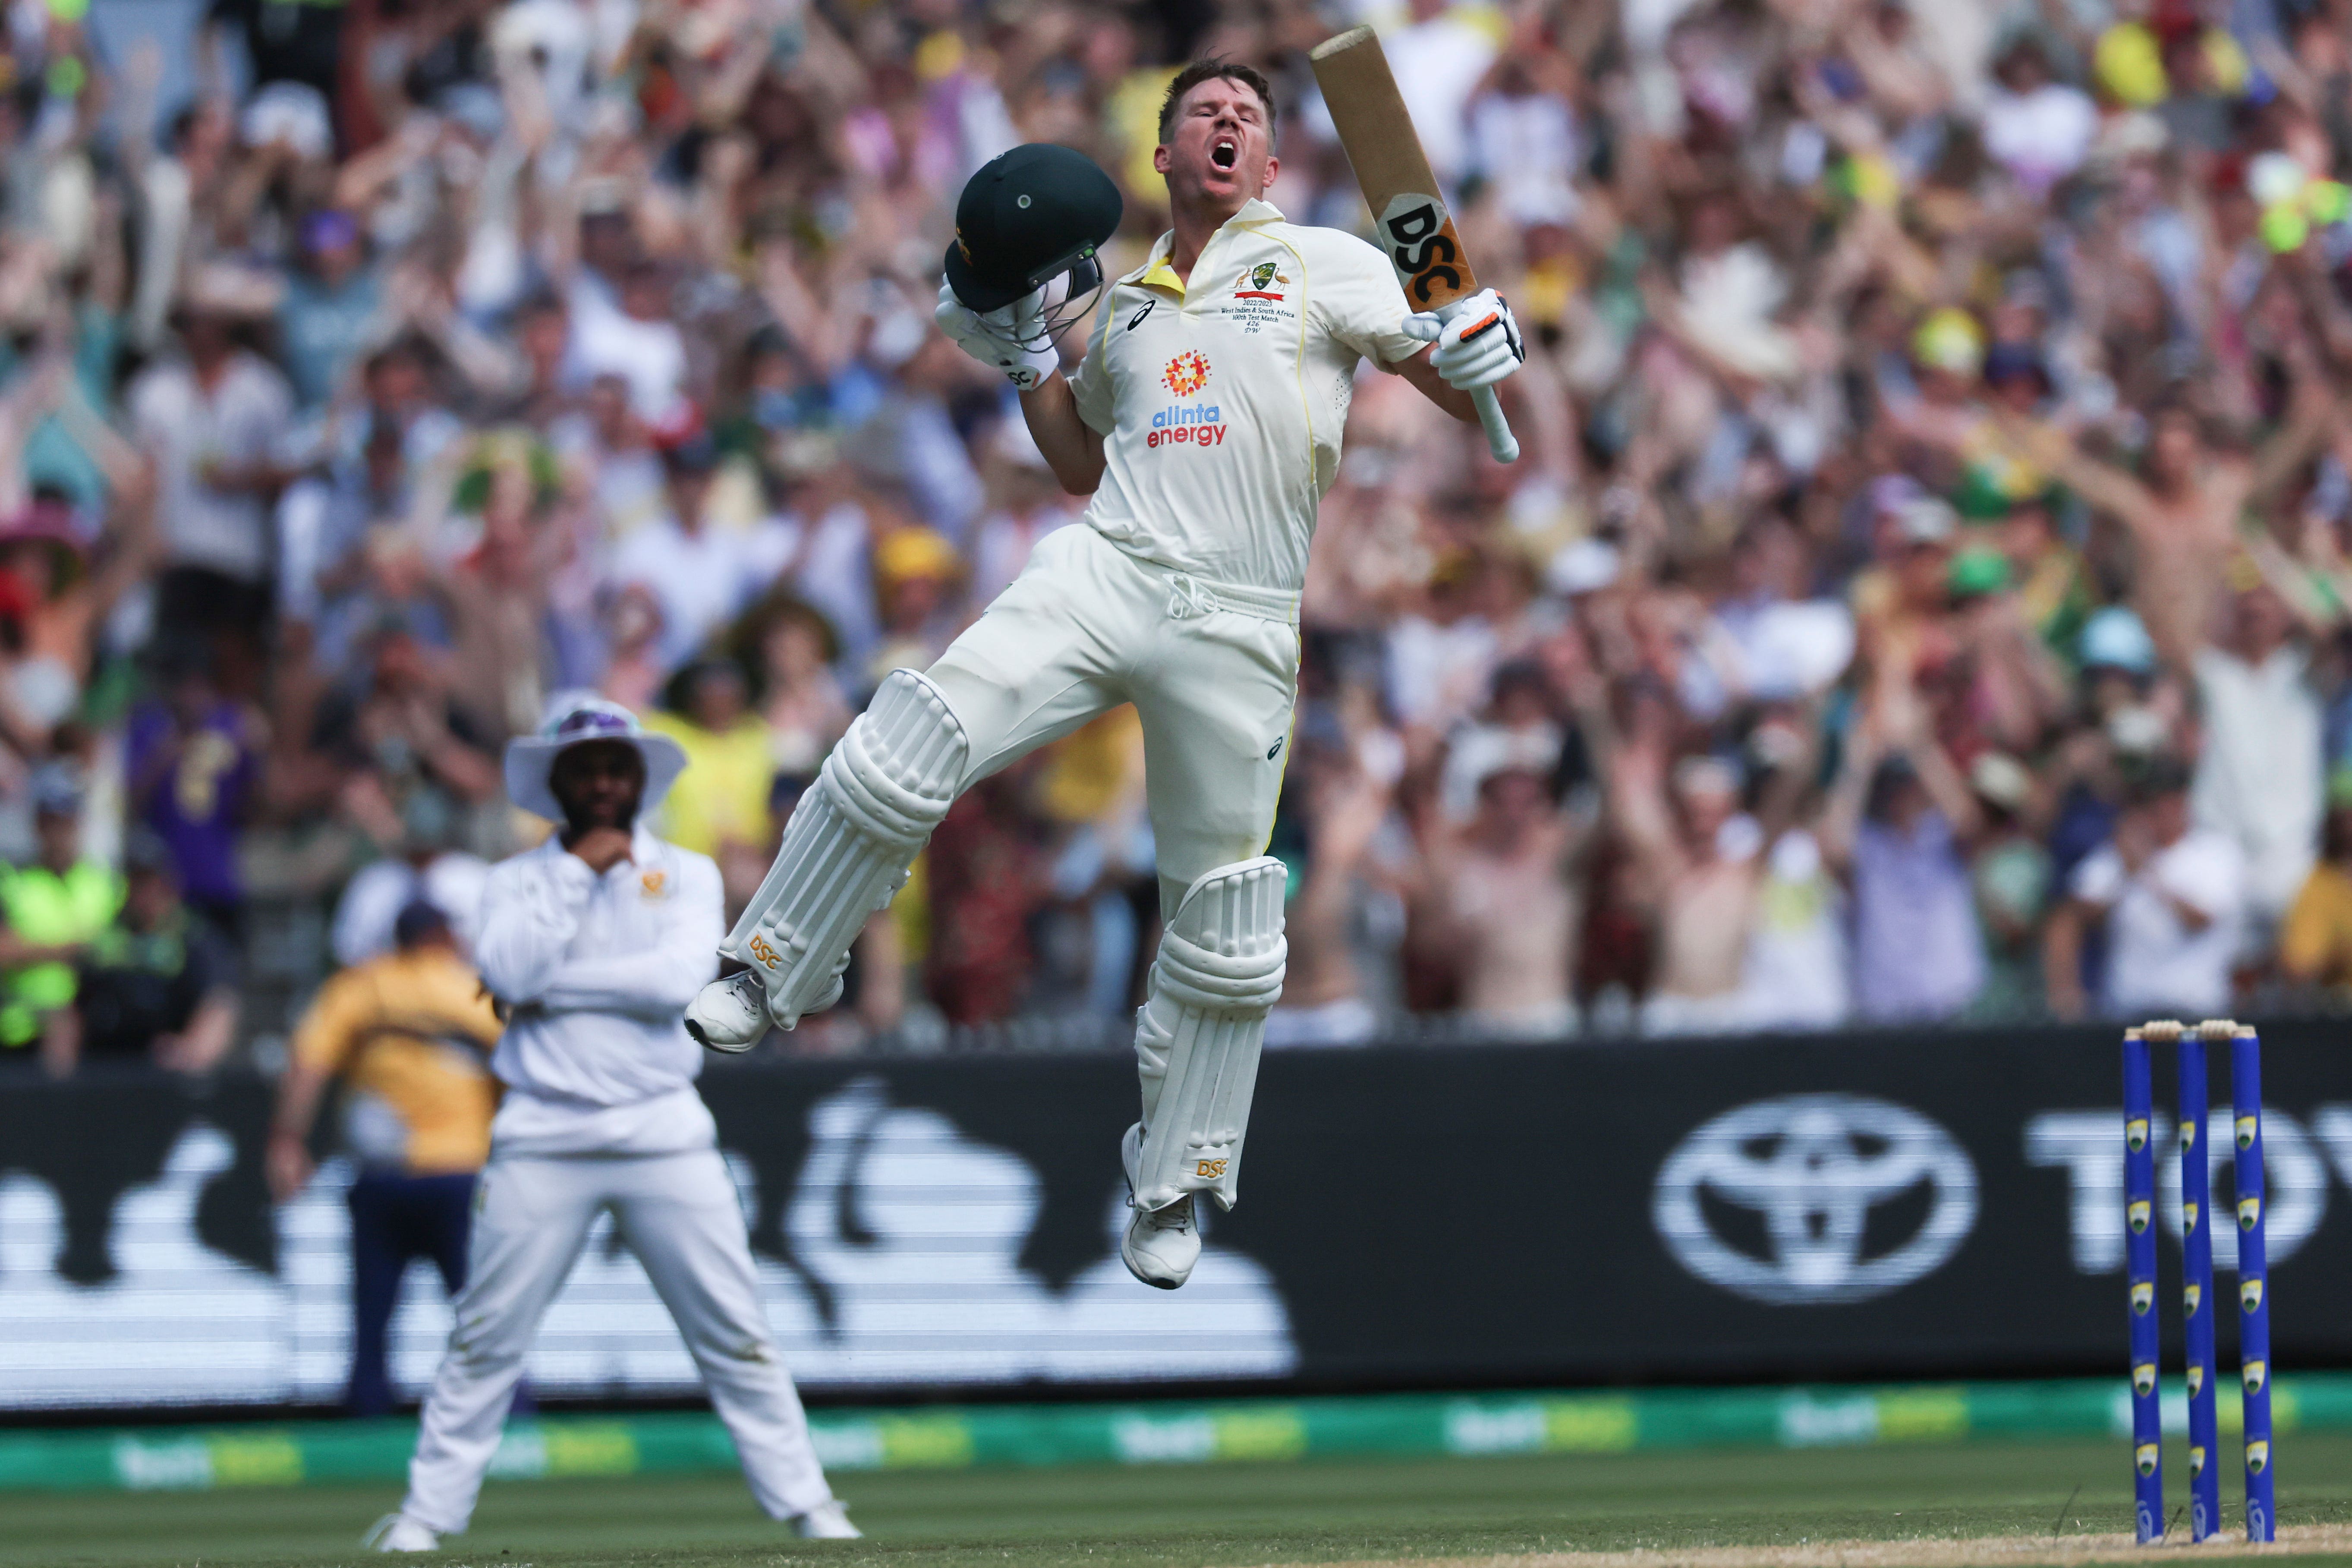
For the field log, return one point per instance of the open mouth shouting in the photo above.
(1225, 153)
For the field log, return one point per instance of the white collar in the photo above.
(1256, 210)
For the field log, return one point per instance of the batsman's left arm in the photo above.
(1421, 370)
(1472, 346)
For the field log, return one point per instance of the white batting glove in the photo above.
(1478, 346)
(1012, 339)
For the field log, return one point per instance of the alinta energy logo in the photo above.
(1186, 374)
(1196, 424)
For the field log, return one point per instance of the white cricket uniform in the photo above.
(1220, 399)
(600, 1113)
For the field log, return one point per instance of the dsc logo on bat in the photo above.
(1421, 243)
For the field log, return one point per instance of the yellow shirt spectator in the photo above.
(409, 1032)
(2316, 938)
(722, 796)
(1131, 121)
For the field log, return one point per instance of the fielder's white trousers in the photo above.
(680, 1214)
(1211, 668)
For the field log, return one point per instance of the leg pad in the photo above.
(1218, 973)
(846, 850)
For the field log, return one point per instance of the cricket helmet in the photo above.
(1027, 217)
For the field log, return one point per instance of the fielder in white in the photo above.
(597, 941)
(1206, 422)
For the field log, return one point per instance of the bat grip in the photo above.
(1499, 440)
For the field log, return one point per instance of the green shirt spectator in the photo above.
(158, 985)
(53, 909)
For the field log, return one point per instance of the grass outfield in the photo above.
(1194, 1517)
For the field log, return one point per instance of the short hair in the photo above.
(418, 923)
(1198, 71)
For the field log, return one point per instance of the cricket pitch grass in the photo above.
(1956, 1506)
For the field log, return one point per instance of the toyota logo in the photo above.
(1813, 1167)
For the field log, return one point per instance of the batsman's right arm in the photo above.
(1012, 340)
(1072, 448)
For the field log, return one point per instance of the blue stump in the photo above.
(2139, 1252)
(2197, 1307)
(2254, 1282)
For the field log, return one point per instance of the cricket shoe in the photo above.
(826, 1521)
(1161, 1245)
(398, 1533)
(730, 1015)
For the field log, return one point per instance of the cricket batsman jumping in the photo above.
(1206, 422)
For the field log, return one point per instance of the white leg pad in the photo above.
(846, 850)
(1197, 1036)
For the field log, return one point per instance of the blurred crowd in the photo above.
(1923, 596)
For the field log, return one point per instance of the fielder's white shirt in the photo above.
(1220, 398)
(599, 970)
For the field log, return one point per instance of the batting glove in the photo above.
(1477, 345)
(1012, 339)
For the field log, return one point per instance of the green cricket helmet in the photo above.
(1030, 217)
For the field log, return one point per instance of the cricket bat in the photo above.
(1410, 214)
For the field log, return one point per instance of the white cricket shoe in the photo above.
(398, 1533)
(1161, 1245)
(730, 1015)
(826, 1521)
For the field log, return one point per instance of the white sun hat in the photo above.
(574, 719)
